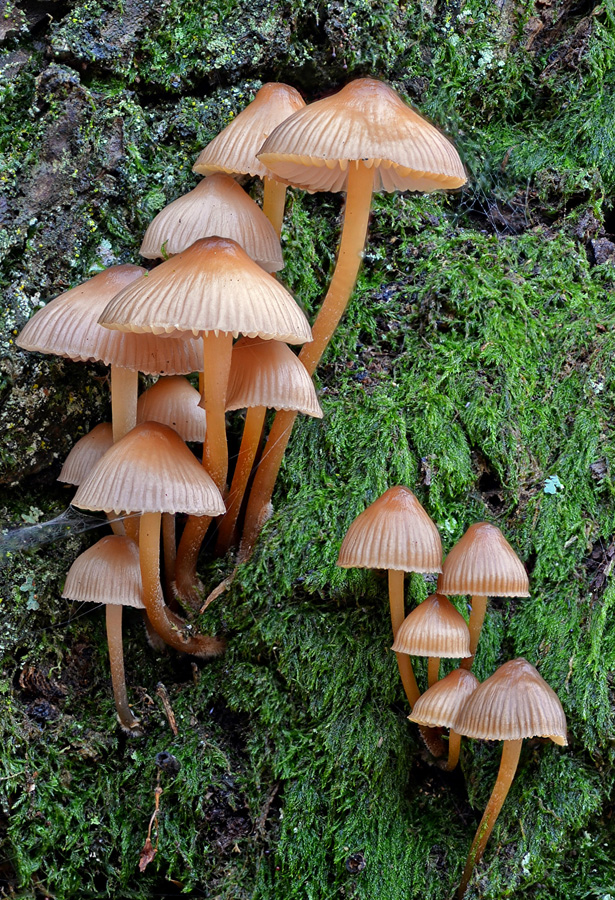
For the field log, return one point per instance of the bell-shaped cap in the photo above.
(174, 402)
(434, 628)
(235, 148)
(484, 564)
(150, 470)
(366, 121)
(514, 703)
(439, 706)
(68, 326)
(268, 373)
(211, 286)
(216, 206)
(394, 533)
(108, 572)
(86, 453)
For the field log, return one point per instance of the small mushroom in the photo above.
(514, 703)
(109, 573)
(394, 533)
(439, 706)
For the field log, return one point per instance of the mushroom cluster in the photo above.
(395, 533)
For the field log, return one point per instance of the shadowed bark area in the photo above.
(474, 362)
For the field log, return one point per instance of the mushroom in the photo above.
(86, 453)
(363, 138)
(514, 703)
(394, 533)
(235, 148)
(216, 206)
(151, 471)
(482, 564)
(440, 704)
(436, 630)
(264, 374)
(109, 573)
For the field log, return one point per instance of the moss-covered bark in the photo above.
(475, 361)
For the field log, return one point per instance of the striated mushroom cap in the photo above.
(514, 703)
(394, 533)
(366, 121)
(211, 286)
(484, 564)
(174, 402)
(268, 373)
(150, 470)
(108, 572)
(86, 453)
(216, 206)
(68, 326)
(235, 148)
(434, 628)
(439, 706)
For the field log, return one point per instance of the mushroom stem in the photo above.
(274, 199)
(350, 256)
(161, 619)
(216, 367)
(129, 723)
(252, 431)
(404, 663)
(124, 389)
(511, 751)
(169, 546)
(433, 670)
(477, 617)
(454, 746)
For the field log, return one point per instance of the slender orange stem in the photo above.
(124, 389)
(252, 431)
(508, 766)
(454, 746)
(477, 617)
(128, 722)
(433, 670)
(158, 614)
(354, 234)
(274, 200)
(404, 663)
(169, 546)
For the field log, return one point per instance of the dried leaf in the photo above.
(147, 854)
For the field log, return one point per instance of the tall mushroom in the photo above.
(363, 138)
(394, 533)
(514, 703)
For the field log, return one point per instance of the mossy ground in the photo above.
(475, 361)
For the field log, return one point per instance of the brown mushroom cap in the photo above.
(150, 470)
(514, 703)
(174, 402)
(267, 373)
(211, 286)
(484, 564)
(439, 706)
(68, 326)
(216, 206)
(108, 572)
(235, 148)
(434, 628)
(393, 533)
(86, 453)
(366, 121)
